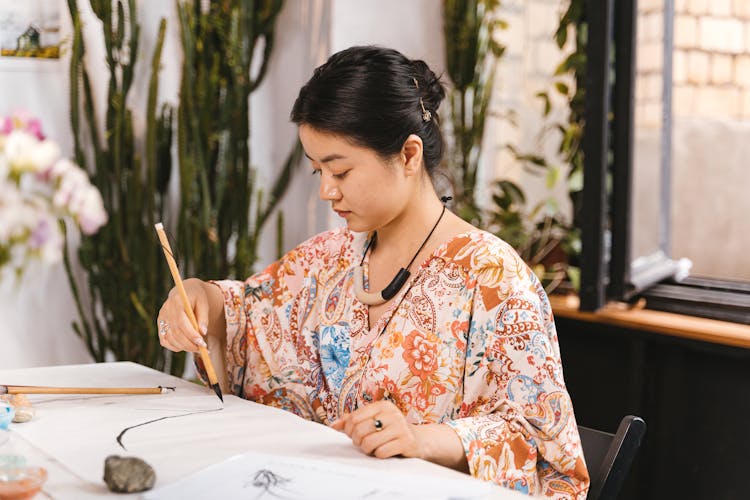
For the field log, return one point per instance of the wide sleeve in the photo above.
(267, 351)
(516, 421)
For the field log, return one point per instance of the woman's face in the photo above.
(363, 188)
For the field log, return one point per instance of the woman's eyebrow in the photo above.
(328, 158)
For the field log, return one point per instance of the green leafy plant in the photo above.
(573, 66)
(471, 53)
(540, 235)
(561, 263)
(543, 238)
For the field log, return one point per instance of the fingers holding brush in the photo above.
(176, 332)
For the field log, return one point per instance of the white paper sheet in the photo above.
(263, 476)
(82, 430)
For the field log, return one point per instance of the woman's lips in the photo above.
(342, 213)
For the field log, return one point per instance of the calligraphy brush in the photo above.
(212, 379)
(33, 389)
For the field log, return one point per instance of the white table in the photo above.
(71, 435)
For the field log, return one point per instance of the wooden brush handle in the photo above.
(82, 390)
(185, 302)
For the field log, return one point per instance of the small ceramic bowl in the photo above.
(7, 412)
(21, 483)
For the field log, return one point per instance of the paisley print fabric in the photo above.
(470, 342)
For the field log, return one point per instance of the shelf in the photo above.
(30, 64)
(637, 318)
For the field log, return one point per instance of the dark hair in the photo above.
(368, 94)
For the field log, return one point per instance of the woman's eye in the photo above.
(341, 175)
(316, 172)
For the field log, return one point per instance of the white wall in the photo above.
(414, 28)
(36, 313)
(302, 43)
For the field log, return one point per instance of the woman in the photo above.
(410, 330)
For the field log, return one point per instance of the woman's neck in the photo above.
(403, 235)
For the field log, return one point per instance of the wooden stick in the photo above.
(31, 389)
(212, 379)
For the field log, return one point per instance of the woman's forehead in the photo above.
(324, 146)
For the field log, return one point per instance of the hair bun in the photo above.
(432, 88)
(376, 97)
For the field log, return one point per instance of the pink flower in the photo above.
(22, 120)
(34, 127)
(7, 127)
(38, 189)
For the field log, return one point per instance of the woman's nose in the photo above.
(328, 190)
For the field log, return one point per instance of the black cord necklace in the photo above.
(390, 291)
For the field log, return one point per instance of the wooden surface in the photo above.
(677, 325)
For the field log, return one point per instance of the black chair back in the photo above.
(609, 456)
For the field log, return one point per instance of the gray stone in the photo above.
(128, 474)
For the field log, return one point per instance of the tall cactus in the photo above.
(222, 211)
(126, 278)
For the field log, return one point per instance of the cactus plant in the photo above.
(222, 211)
(125, 278)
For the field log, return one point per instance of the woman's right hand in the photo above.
(176, 333)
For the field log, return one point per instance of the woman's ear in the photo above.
(411, 154)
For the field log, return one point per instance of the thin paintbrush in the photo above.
(212, 379)
(33, 389)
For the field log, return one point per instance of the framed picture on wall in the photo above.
(30, 28)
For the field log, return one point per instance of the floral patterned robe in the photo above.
(470, 343)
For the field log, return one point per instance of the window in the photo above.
(666, 183)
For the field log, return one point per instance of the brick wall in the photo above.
(711, 60)
(649, 63)
(711, 111)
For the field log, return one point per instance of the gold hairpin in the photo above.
(426, 115)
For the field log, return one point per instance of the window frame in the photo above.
(607, 267)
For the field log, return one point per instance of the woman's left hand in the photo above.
(381, 430)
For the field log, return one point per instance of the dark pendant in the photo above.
(395, 285)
